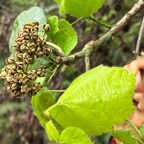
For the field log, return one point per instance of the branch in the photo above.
(94, 45)
(141, 35)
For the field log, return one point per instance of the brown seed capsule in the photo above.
(34, 29)
(12, 69)
(35, 34)
(24, 80)
(10, 60)
(47, 51)
(25, 33)
(9, 78)
(23, 47)
(14, 86)
(46, 28)
(3, 74)
(19, 43)
(19, 64)
(36, 23)
(17, 94)
(19, 56)
(19, 39)
(25, 88)
(32, 75)
(8, 87)
(28, 61)
(25, 30)
(16, 45)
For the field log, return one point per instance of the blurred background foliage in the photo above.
(17, 122)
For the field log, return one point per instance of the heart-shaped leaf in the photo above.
(62, 34)
(96, 100)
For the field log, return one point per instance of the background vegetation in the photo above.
(17, 122)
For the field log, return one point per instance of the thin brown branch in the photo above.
(94, 45)
(141, 35)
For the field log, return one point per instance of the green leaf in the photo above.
(96, 100)
(62, 34)
(61, 2)
(74, 135)
(52, 132)
(125, 136)
(65, 37)
(53, 22)
(33, 14)
(40, 102)
(80, 8)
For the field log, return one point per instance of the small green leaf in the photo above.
(95, 101)
(62, 34)
(53, 22)
(80, 8)
(33, 14)
(126, 136)
(52, 132)
(65, 37)
(74, 135)
(40, 102)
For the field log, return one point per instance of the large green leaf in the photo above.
(74, 135)
(40, 102)
(126, 136)
(96, 100)
(62, 34)
(33, 14)
(80, 8)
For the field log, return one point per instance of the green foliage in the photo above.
(40, 102)
(79, 8)
(33, 14)
(125, 136)
(53, 22)
(96, 100)
(62, 34)
(52, 132)
(74, 135)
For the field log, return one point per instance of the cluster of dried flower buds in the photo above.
(28, 46)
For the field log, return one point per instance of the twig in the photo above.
(77, 21)
(87, 59)
(141, 35)
(57, 91)
(94, 45)
(53, 73)
(98, 22)
(56, 48)
(87, 62)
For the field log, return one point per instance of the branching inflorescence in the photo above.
(28, 46)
